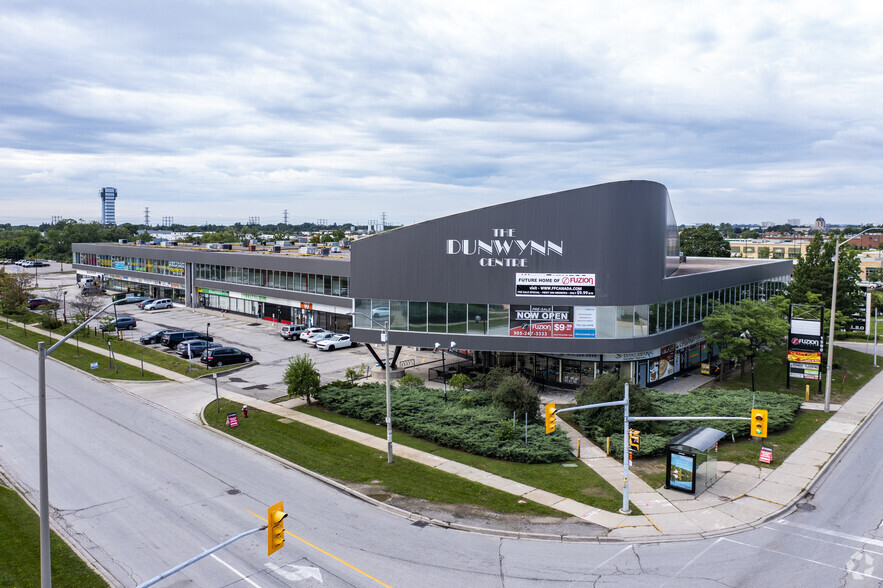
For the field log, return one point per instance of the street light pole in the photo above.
(384, 336)
(42, 354)
(833, 312)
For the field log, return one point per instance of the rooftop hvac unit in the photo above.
(276, 248)
(227, 246)
(123, 241)
(326, 250)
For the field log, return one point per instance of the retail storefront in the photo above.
(562, 287)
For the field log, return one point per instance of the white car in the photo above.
(319, 337)
(335, 342)
(158, 304)
(310, 332)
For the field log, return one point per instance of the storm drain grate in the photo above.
(806, 506)
(419, 524)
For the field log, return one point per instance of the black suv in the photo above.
(224, 356)
(172, 338)
(154, 336)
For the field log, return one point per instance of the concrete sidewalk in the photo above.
(742, 497)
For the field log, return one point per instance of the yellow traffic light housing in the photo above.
(635, 439)
(550, 418)
(759, 422)
(275, 528)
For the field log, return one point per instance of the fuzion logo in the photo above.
(805, 342)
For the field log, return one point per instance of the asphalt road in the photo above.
(140, 489)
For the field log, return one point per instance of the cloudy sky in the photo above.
(223, 110)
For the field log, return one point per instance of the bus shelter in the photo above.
(691, 459)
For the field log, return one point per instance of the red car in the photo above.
(38, 302)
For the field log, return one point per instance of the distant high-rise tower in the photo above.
(108, 206)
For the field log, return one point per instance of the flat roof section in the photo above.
(700, 265)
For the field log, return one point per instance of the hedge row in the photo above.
(480, 430)
(705, 402)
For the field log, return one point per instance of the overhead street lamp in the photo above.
(384, 336)
(42, 354)
(444, 369)
(833, 312)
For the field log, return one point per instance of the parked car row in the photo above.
(316, 336)
(191, 344)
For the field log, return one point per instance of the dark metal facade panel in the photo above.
(529, 345)
(274, 293)
(270, 261)
(615, 231)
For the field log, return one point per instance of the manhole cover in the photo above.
(253, 325)
(233, 491)
(806, 506)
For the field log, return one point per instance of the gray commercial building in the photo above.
(562, 287)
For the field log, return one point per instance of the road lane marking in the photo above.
(791, 555)
(334, 557)
(858, 538)
(297, 574)
(677, 575)
(234, 570)
(826, 541)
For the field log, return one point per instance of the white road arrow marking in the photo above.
(297, 573)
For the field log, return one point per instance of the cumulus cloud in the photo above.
(343, 110)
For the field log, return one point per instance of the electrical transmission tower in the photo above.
(285, 216)
(146, 217)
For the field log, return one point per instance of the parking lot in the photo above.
(262, 378)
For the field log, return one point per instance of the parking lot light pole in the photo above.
(384, 336)
(42, 354)
(834, 312)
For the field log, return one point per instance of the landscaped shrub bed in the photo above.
(597, 425)
(464, 422)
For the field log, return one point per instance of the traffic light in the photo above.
(275, 528)
(758, 422)
(550, 418)
(635, 439)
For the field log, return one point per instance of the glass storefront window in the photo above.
(363, 311)
(457, 317)
(438, 317)
(605, 317)
(642, 312)
(398, 315)
(624, 321)
(498, 320)
(417, 316)
(477, 319)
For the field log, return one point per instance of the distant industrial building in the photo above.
(108, 206)
(794, 222)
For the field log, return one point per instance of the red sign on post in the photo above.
(766, 455)
(232, 420)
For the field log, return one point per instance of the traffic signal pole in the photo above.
(193, 560)
(626, 425)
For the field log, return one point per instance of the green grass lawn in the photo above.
(130, 348)
(579, 483)
(81, 359)
(348, 461)
(858, 368)
(20, 549)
